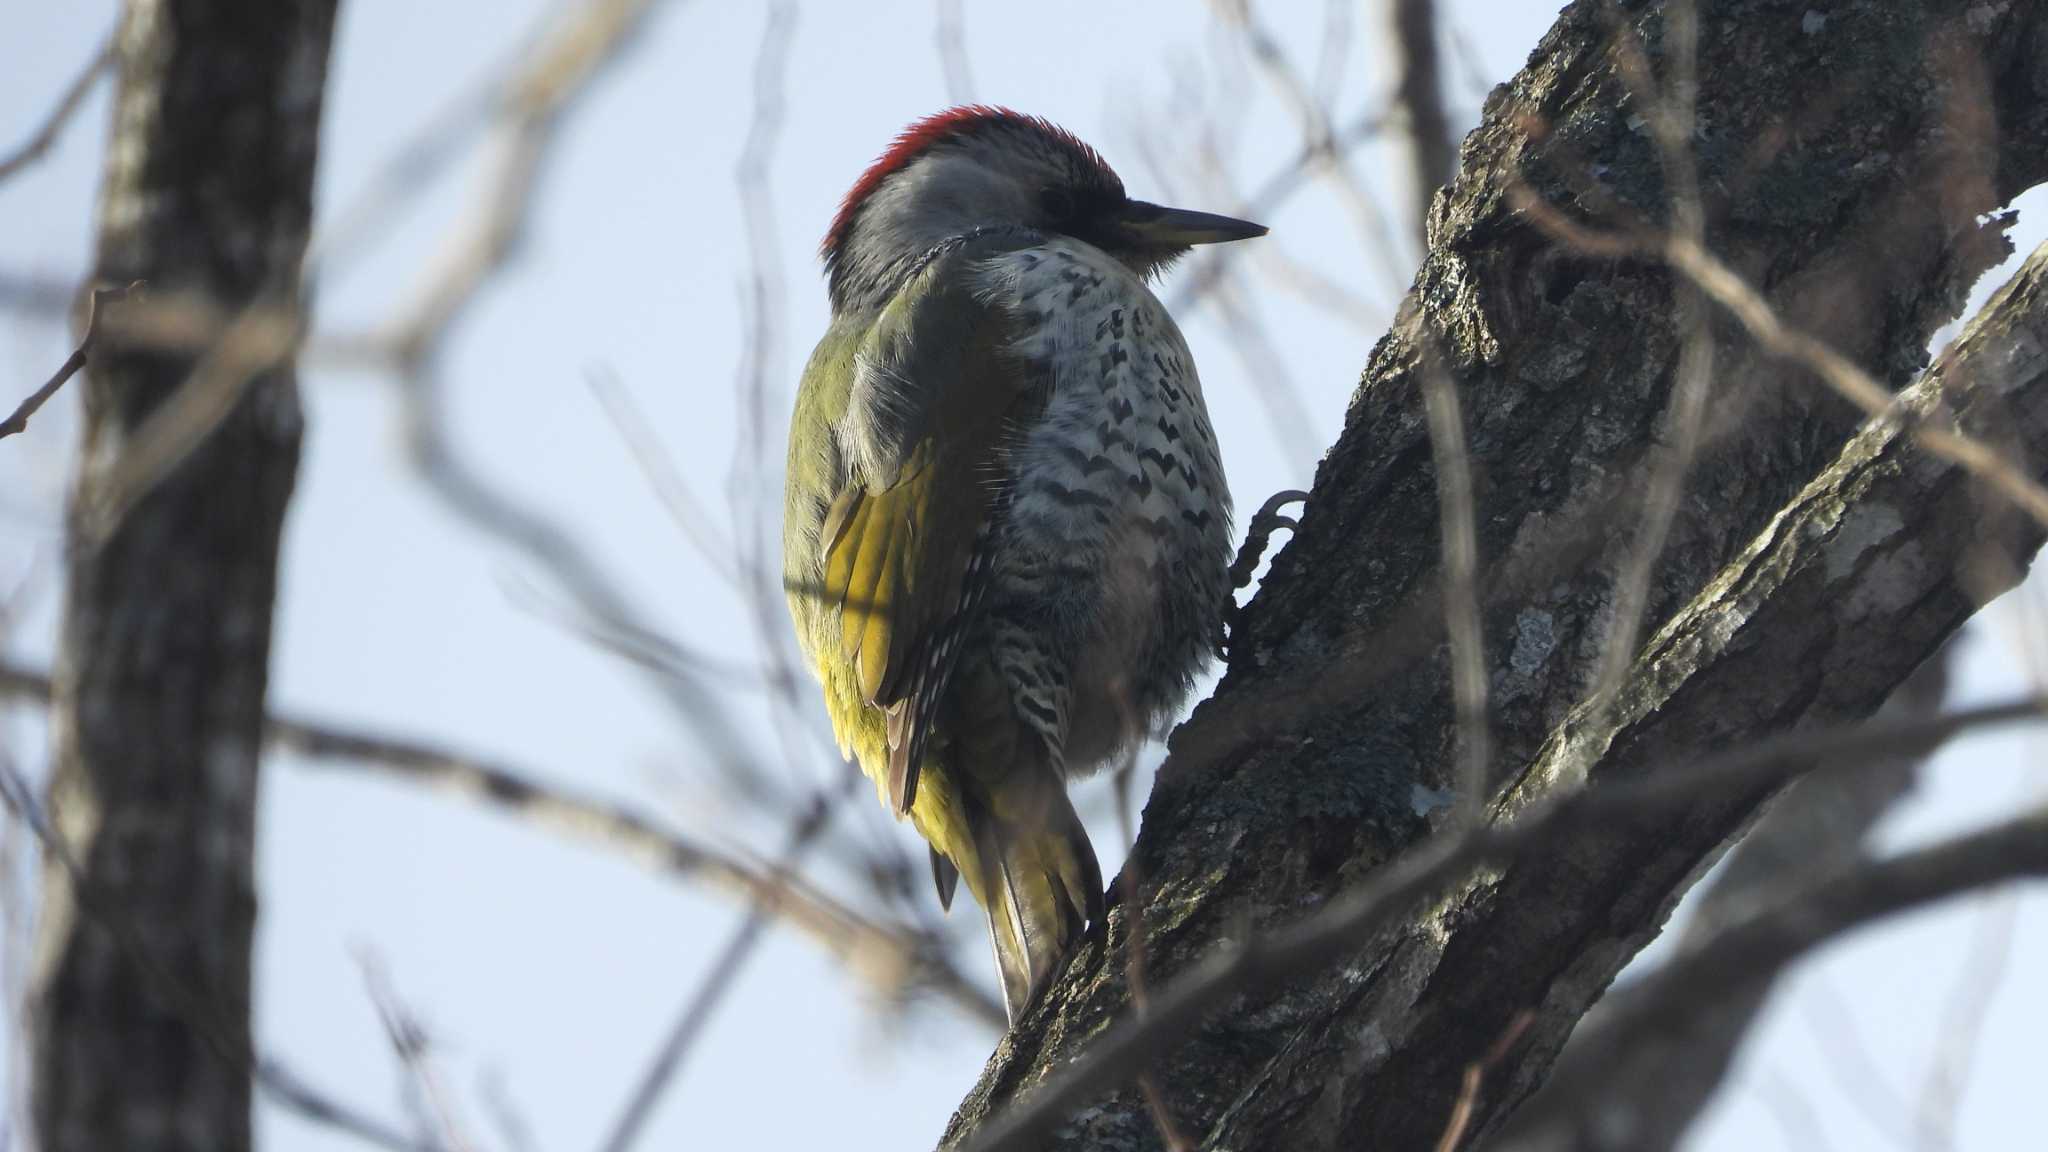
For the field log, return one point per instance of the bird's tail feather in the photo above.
(1041, 887)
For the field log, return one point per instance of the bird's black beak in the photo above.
(1156, 226)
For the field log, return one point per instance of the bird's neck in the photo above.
(866, 275)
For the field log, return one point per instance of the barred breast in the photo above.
(1111, 574)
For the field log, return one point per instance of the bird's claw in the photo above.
(1249, 555)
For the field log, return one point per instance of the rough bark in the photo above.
(1844, 170)
(141, 1037)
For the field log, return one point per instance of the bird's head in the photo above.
(978, 169)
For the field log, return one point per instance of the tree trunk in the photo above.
(1847, 166)
(141, 996)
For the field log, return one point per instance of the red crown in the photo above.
(921, 135)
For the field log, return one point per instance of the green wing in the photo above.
(935, 391)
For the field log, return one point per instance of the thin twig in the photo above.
(887, 954)
(538, 102)
(1132, 885)
(688, 513)
(950, 34)
(1296, 92)
(408, 1042)
(262, 338)
(1205, 271)
(1970, 1003)
(514, 1130)
(1475, 1079)
(1278, 393)
(227, 1039)
(1335, 54)
(1457, 526)
(1727, 288)
(758, 383)
(1850, 1063)
(67, 106)
(1761, 946)
(1672, 115)
(18, 422)
(1418, 94)
(717, 982)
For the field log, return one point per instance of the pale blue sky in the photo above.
(556, 967)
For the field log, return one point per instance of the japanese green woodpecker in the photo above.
(1006, 541)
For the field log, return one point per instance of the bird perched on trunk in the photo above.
(1006, 542)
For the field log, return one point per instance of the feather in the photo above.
(946, 878)
(905, 538)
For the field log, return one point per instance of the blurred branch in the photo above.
(1278, 393)
(1314, 122)
(950, 35)
(33, 149)
(1453, 464)
(409, 1045)
(754, 494)
(1727, 288)
(887, 955)
(721, 977)
(1657, 1087)
(227, 1039)
(1419, 98)
(561, 70)
(1970, 1005)
(547, 87)
(1757, 949)
(1205, 270)
(99, 299)
(1849, 1062)
(1672, 115)
(688, 513)
(1475, 1079)
(1335, 54)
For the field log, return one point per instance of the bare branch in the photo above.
(951, 37)
(688, 513)
(52, 126)
(1314, 121)
(1419, 97)
(100, 298)
(1760, 947)
(1975, 992)
(1673, 117)
(889, 956)
(1460, 578)
(535, 104)
(408, 1042)
(719, 980)
(1657, 1089)
(1475, 1079)
(1727, 288)
(1206, 271)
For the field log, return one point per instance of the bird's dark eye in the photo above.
(1058, 204)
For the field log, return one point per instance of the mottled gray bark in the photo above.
(141, 1036)
(1844, 169)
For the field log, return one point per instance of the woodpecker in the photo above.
(1006, 539)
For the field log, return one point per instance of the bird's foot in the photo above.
(1249, 555)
